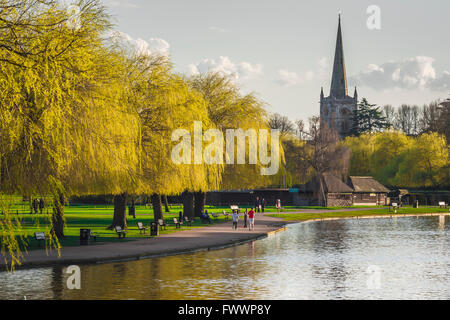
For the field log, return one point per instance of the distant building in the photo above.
(337, 108)
(357, 191)
(368, 191)
(334, 193)
(337, 193)
(248, 197)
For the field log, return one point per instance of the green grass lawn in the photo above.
(98, 218)
(342, 214)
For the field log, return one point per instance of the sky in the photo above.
(283, 50)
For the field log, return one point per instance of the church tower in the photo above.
(337, 108)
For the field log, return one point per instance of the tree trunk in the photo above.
(120, 211)
(188, 204)
(58, 215)
(157, 207)
(322, 192)
(30, 199)
(166, 204)
(199, 203)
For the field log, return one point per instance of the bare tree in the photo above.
(389, 113)
(324, 153)
(430, 120)
(281, 123)
(407, 119)
(299, 131)
(444, 119)
(415, 115)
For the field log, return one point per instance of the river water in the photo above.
(398, 258)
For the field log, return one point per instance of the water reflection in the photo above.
(441, 222)
(320, 260)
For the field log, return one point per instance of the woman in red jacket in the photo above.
(251, 219)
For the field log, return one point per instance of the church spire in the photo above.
(339, 78)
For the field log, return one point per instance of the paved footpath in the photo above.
(210, 237)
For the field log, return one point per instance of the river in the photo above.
(394, 258)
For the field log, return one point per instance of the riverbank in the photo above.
(213, 237)
(97, 218)
(218, 236)
(314, 215)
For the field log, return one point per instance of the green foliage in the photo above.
(293, 171)
(396, 159)
(229, 109)
(80, 115)
(64, 125)
(368, 118)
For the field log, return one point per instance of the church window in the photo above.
(345, 126)
(345, 112)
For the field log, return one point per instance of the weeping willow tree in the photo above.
(228, 108)
(179, 107)
(165, 102)
(64, 125)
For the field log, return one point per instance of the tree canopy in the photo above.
(396, 159)
(368, 118)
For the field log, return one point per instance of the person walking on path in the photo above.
(235, 216)
(251, 219)
(41, 205)
(245, 218)
(278, 205)
(257, 203)
(263, 204)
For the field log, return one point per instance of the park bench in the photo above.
(442, 204)
(394, 206)
(39, 236)
(85, 237)
(141, 227)
(177, 223)
(215, 215)
(120, 232)
(205, 219)
(234, 208)
(188, 221)
(93, 235)
(162, 224)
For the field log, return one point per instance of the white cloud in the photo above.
(223, 65)
(288, 78)
(323, 63)
(219, 29)
(159, 45)
(140, 46)
(412, 73)
(322, 67)
(441, 83)
(309, 75)
(122, 3)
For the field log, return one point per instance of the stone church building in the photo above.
(337, 108)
